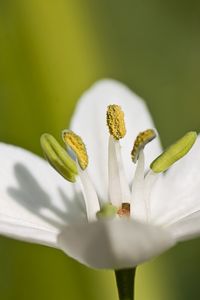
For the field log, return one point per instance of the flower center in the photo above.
(120, 194)
(123, 201)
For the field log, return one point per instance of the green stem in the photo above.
(125, 283)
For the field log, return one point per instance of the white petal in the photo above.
(115, 244)
(177, 192)
(35, 201)
(186, 228)
(25, 231)
(89, 122)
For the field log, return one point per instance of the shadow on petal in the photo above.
(31, 195)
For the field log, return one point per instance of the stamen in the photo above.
(174, 152)
(141, 140)
(76, 144)
(139, 201)
(115, 121)
(119, 191)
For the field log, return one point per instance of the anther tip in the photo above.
(115, 121)
(141, 141)
(76, 144)
(174, 152)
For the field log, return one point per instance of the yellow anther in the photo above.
(75, 143)
(58, 157)
(115, 121)
(174, 152)
(141, 140)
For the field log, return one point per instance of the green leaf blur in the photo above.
(51, 51)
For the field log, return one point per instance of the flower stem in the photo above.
(125, 283)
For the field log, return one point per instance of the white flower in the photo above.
(38, 205)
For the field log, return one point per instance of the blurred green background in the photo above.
(50, 52)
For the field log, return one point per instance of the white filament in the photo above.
(89, 194)
(150, 180)
(138, 205)
(118, 187)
